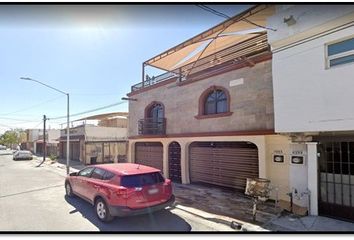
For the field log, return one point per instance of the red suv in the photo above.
(121, 189)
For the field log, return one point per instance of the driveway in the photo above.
(224, 202)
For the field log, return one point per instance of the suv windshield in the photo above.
(141, 180)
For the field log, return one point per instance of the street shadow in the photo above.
(73, 164)
(161, 221)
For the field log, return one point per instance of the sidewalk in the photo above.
(231, 206)
(225, 202)
(60, 164)
(293, 223)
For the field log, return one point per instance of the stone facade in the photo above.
(250, 102)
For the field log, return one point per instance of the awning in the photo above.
(235, 30)
(104, 116)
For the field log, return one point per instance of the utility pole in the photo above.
(44, 142)
(67, 126)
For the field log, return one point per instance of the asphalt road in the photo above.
(33, 199)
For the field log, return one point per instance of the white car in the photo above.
(22, 154)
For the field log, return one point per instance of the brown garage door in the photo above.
(149, 154)
(223, 163)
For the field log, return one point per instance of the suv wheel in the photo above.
(102, 211)
(68, 190)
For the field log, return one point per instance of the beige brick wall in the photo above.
(251, 103)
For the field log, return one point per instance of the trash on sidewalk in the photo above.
(296, 209)
(258, 189)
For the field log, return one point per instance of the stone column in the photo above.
(312, 178)
(131, 151)
(262, 164)
(184, 163)
(165, 159)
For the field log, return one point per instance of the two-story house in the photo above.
(313, 66)
(209, 118)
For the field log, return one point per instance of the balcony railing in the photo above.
(154, 80)
(151, 126)
(232, 55)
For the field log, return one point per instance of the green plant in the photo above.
(53, 157)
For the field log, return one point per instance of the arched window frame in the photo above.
(203, 98)
(148, 108)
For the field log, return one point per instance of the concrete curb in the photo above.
(233, 223)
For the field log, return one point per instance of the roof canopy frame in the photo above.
(202, 37)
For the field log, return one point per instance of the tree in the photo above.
(14, 136)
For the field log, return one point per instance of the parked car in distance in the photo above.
(2, 147)
(22, 154)
(121, 189)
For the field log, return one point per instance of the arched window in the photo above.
(155, 111)
(154, 121)
(215, 102)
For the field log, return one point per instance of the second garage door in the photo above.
(223, 163)
(149, 154)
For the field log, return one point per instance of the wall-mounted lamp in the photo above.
(289, 20)
(129, 99)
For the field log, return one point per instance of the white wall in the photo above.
(105, 133)
(307, 96)
(34, 134)
(298, 175)
(278, 173)
(308, 18)
(53, 135)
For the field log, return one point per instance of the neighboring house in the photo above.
(34, 141)
(32, 135)
(52, 142)
(210, 119)
(102, 142)
(313, 66)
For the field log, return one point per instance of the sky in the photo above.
(93, 52)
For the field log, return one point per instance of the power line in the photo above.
(7, 126)
(220, 14)
(260, 26)
(89, 111)
(213, 11)
(92, 94)
(38, 124)
(31, 107)
(20, 120)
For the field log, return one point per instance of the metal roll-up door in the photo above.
(223, 163)
(74, 151)
(149, 154)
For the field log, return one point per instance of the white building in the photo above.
(313, 74)
(101, 142)
(34, 141)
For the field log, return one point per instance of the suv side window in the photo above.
(98, 173)
(108, 176)
(86, 172)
